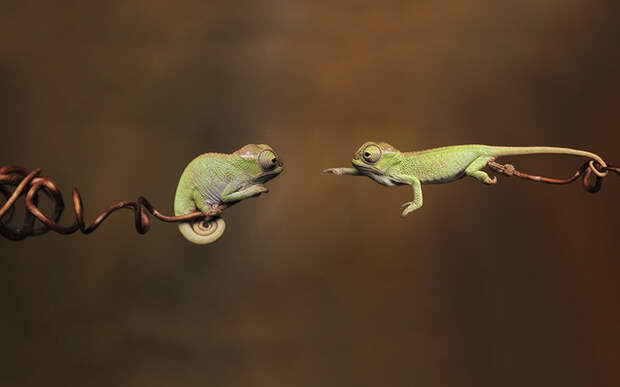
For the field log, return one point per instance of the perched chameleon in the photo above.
(214, 181)
(388, 166)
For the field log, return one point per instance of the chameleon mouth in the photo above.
(368, 169)
(270, 175)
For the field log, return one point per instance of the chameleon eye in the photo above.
(267, 160)
(371, 154)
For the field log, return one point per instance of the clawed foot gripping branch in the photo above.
(30, 184)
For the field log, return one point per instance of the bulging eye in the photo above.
(371, 154)
(267, 160)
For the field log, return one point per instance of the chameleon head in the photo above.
(374, 158)
(260, 161)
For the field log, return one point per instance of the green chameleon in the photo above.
(214, 181)
(388, 166)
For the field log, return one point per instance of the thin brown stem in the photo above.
(28, 184)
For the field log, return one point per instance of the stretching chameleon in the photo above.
(214, 181)
(388, 166)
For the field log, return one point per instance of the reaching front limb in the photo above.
(343, 171)
(232, 194)
(417, 194)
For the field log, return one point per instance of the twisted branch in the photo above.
(30, 184)
(592, 174)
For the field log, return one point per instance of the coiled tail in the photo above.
(203, 232)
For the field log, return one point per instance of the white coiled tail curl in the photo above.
(201, 232)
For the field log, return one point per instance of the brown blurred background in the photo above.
(320, 282)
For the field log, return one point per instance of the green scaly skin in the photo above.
(214, 181)
(388, 166)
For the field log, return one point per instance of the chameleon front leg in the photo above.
(232, 194)
(417, 194)
(343, 171)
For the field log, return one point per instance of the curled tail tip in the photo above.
(202, 234)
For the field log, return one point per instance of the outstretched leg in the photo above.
(343, 171)
(230, 196)
(474, 170)
(417, 194)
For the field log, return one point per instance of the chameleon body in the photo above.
(388, 166)
(214, 181)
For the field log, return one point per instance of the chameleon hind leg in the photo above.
(199, 231)
(202, 205)
(474, 170)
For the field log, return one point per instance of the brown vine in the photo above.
(591, 180)
(31, 184)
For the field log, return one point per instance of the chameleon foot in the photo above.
(409, 208)
(262, 189)
(215, 211)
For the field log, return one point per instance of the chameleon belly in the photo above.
(440, 166)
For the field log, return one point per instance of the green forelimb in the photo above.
(343, 171)
(417, 193)
(230, 196)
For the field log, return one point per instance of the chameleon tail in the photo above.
(528, 150)
(201, 232)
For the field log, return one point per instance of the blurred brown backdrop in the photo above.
(320, 282)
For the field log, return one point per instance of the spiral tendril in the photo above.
(31, 184)
(592, 174)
